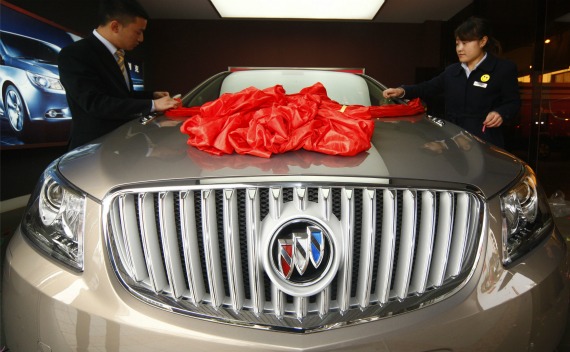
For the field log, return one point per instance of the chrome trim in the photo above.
(169, 243)
(231, 232)
(436, 120)
(192, 264)
(407, 245)
(426, 238)
(145, 120)
(252, 226)
(296, 180)
(344, 281)
(388, 246)
(367, 250)
(359, 293)
(444, 232)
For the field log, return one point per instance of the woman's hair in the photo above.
(475, 28)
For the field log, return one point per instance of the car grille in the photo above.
(197, 250)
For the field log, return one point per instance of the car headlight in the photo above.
(54, 219)
(44, 82)
(526, 217)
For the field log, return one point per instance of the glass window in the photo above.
(28, 48)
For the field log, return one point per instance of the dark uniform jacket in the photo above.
(492, 86)
(97, 94)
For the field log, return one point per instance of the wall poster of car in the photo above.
(33, 107)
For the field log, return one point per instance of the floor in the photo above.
(10, 212)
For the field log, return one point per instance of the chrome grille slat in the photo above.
(276, 203)
(211, 248)
(323, 302)
(367, 249)
(151, 242)
(190, 247)
(387, 246)
(325, 201)
(252, 229)
(275, 207)
(199, 249)
(301, 307)
(345, 272)
(233, 252)
(443, 239)
(125, 221)
(300, 198)
(407, 245)
(460, 228)
(174, 271)
(425, 243)
(278, 301)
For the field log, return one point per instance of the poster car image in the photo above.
(31, 92)
(33, 105)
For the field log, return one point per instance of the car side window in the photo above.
(22, 47)
(375, 90)
(209, 92)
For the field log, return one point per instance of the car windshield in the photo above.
(343, 87)
(23, 47)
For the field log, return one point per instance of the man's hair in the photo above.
(124, 11)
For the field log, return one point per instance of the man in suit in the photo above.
(99, 91)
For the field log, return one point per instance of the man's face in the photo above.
(130, 35)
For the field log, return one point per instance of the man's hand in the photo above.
(158, 95)
(165, 103)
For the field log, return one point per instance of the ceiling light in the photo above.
(299, 9)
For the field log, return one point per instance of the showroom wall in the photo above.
(180, 54)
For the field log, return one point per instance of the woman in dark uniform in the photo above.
(481, 91)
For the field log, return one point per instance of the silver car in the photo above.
(431, 240)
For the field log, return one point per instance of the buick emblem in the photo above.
(301, 252)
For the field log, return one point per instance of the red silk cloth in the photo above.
(265, 122)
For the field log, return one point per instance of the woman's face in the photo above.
(470, 51)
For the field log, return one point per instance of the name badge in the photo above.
(480, 84)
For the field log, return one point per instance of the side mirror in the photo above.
(2, 62)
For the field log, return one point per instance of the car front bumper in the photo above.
(46, 307)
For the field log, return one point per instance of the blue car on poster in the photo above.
(32, 100)
(33, 105)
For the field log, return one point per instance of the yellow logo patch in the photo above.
(485, 78)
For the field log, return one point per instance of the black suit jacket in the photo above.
(492, 86)
(97, 94)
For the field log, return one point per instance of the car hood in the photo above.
(36, 66)
(412, 152)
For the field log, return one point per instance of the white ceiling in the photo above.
(393, 11)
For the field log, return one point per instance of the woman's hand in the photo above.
(394, 93)
(494, 119)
